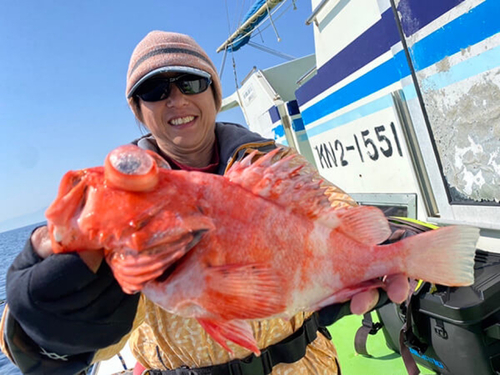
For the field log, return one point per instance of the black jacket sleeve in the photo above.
(62, 312)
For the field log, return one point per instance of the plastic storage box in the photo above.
(455, 330)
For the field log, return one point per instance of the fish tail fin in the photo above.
(443, 256)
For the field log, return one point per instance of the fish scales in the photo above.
(262, 241)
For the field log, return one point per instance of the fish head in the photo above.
(63, 214)
(89, 196)
(145, 204)
(137, 210)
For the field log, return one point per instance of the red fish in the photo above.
(262, 241)
(121, 208)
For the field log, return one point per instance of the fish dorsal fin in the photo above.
(288, 181)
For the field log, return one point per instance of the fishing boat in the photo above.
(399, 107)
(402, 91)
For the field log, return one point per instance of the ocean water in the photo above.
(11, 243)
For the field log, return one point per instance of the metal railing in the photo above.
(315, 13)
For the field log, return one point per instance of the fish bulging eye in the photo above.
(131, 168)
(128, 163)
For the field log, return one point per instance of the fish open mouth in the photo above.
(169, 270)
(134, 269)
(196, 237)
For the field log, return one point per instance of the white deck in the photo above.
(114, 365)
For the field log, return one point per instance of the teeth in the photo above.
(57, 235)
(181, 120)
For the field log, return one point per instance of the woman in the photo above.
(67, 311)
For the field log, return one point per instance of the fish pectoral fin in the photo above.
(365, 224)
(249, 291)
(346, 294)
(236, 331)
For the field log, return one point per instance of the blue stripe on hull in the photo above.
(298, 124)
(274, 114)
(302, 136)
(448, 40)
(471, 28)
(469, 68)
(383, 75)
(278, 131)
(416, 14)
(466, 69)
(360, 112)
(374, 42)
(293, 108)
(367, 47)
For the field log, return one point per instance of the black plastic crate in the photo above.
(457, 329)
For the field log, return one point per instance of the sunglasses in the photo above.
(159, 89)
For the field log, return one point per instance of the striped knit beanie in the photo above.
(161, 52)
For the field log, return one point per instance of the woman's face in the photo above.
(181, 123)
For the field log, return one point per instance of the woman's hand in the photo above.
(67, 303)
(396, 286)
(40, 239)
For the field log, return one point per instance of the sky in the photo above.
(63, 67)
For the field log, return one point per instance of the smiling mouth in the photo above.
(181, 120)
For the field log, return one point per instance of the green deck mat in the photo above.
(383, 361)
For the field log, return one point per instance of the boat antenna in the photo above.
(271, 51)
(272, 23)
(242, 106)
(221, 70)
(223, 64)
(261, 27)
